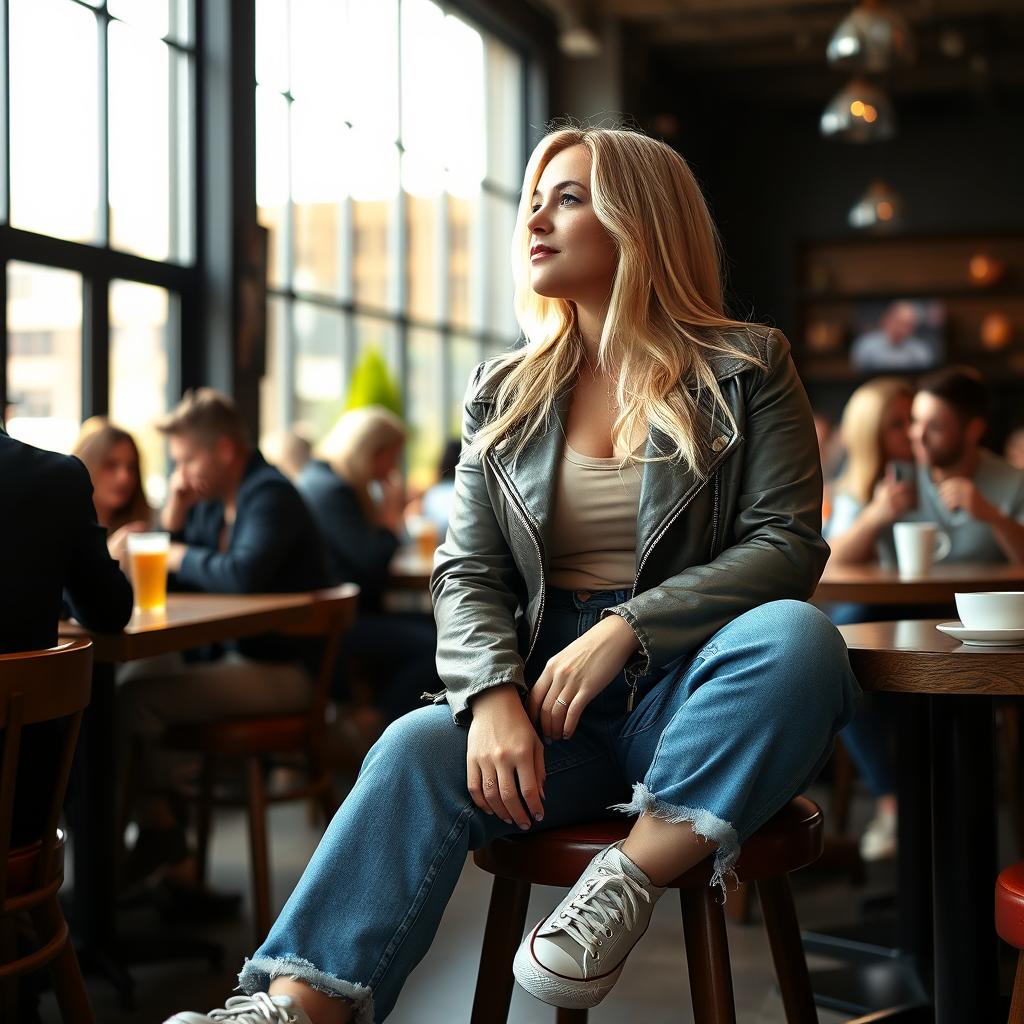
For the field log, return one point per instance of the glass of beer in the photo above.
(147, 556)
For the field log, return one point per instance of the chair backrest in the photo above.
(36, 687)
(331, 616)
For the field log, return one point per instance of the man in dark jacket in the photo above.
(238, 526)
(50, 544)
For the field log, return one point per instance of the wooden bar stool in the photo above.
(254, 741)
(1010, 928)
(789, 841)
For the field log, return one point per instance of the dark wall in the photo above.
(771, 181)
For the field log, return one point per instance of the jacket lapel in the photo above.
(535, 473)
(666, 485)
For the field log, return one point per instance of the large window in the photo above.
(97, 214)
(390, 149)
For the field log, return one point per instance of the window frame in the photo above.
(98, 263)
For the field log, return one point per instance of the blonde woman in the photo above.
(112, 457)
(362, 534)
(619, 601)
(869, 496)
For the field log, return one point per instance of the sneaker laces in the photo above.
(611, 898)
(258, 1008)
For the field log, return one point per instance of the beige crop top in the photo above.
(592, 537)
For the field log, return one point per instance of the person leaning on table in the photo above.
(974, 495)
(620, 602)
(238, 527)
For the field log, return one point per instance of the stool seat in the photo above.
(790, 840)
(241, 736)
(1010, 905)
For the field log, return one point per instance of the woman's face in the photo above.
(895, 431)
(114, 482)
(385, 462)
(572, 256)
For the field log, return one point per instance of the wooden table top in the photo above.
(409, 570)
(192, 620)
(872, 584)
(912, 656)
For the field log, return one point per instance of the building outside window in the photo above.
(390, 147)
(97, 215)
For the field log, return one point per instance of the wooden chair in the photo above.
(791, 840)
(252, 741)
(37, 687)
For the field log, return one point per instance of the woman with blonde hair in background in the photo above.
(362, 532)
(876, 487)
(874, 491)
(620, 602)
(115, 467)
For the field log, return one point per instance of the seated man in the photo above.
(238, 526)
(974, 496)
(51, 543)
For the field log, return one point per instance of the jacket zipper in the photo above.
(523, 515)
(714, 517)
(685, 502)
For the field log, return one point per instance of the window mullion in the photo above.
(102, 21)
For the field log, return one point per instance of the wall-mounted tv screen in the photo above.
(898, 335)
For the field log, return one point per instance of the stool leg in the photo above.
(68, 984)
(204, 815)
(707, 957)
(787, 950)
(256, 801)
(564, 1016)
(1017, 1001)
(506, 919)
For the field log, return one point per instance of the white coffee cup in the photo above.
(917, 546)
(991, 609)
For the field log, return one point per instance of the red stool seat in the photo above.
(1010, 905)
(789, 841)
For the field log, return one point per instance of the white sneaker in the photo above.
(575, 955)
(879, 839)
(255, 1009)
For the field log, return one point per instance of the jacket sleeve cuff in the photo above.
(640, 663)
(458, 701)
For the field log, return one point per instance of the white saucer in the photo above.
(983, 637)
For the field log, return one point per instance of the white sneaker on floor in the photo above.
(879, 839)
(575, 955)
(255, 1009)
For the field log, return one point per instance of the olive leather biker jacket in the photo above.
(708, 548)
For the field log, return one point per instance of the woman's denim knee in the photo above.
(807, 643)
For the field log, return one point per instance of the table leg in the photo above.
(964, 852)
(874, 978)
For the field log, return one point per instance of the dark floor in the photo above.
(653, 987)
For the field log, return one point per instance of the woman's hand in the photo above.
(891, 499)
(392, 503)
(577, 674)
(504, 747)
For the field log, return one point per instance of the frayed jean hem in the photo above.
(257, 974)
(704, 824)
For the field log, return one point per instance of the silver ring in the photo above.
(558, 700)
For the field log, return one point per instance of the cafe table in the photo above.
(955, 685)
(188, 621)
(410, 569)
(873, 584)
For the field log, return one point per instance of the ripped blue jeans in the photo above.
(723, 740)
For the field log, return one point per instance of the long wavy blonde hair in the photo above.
(861, 432)
(665, 314)
(96, 440)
